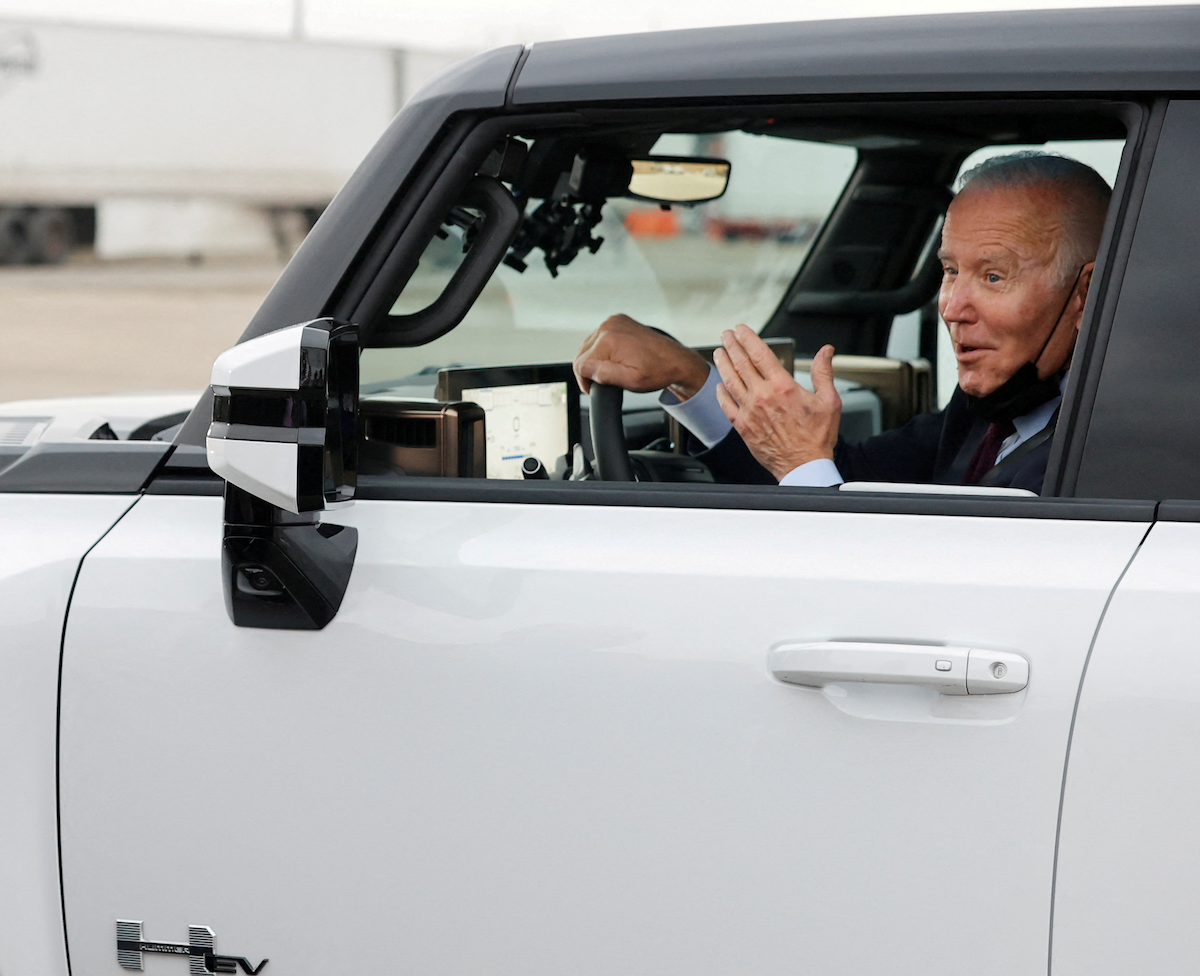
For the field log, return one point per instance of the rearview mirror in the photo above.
(284, 436)
(678, 179)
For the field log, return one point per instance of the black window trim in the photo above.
(1143, 122)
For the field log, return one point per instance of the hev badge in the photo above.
(200, 949)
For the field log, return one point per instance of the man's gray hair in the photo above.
(1084, 193)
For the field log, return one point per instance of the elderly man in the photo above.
(1018, 248)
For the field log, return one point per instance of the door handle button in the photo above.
(995, 672)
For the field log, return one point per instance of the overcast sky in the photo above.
(461, 25)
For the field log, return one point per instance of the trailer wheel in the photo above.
(51, 235)
(14, 236)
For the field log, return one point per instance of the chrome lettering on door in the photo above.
(200, 949)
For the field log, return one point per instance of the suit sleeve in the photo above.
(906, 454)
(730, 461)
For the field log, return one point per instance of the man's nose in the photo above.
(955, 301)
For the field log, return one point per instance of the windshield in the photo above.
(692, 271)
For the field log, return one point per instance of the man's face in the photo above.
(1001, 291)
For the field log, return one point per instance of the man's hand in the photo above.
(781, 422)
(627, 354)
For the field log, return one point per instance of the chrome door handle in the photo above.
(949, 670)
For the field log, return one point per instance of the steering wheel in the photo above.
(608, 434)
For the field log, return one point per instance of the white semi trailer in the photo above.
(152, 142)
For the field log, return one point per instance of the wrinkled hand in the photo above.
(627, 354)
(781, 422)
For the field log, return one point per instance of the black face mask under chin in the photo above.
(1019, 394)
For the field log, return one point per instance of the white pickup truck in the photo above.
(539, 702)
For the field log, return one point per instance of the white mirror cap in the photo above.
(266, 362)
(266, 469)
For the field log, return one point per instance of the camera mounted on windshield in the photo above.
(574, 182)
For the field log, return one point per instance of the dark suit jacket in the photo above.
(932, 448)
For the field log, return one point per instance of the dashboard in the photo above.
(496, 421)
(481, 422)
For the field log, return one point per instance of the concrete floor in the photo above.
(89, 327)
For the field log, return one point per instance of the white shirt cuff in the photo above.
(701, 414)
(821, 473)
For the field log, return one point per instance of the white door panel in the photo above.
(42, 539)
(544, 739)
(1128, 878)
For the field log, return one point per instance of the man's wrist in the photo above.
(785, 467)
(701, 414)
(693, 380)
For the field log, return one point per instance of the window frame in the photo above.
(1142, 119)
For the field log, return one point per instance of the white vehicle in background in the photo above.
(292, 685)
(154, 142)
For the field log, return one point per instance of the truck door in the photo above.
(541, 738)
(608, 728)
(45, 535)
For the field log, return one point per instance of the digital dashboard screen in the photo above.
(527, 420)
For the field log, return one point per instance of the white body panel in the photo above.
(42, 539)
(1129, 860)
(544, 739)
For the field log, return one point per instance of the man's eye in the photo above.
(949, 271)
(993, 278)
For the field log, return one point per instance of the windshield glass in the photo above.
(692, 271)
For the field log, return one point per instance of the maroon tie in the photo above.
(985, 455)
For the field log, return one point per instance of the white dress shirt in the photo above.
(703, 416)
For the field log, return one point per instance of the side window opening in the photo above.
(688, 270)
(755, 254)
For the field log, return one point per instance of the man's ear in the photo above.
(1085, 279)
(1081, 291)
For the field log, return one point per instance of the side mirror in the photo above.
(678, 179)
(284, 416)
(284, 438)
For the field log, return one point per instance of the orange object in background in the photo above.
(652, 222)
